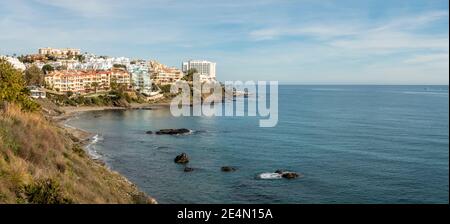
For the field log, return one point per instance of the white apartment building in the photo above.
(206, 69)
(140, 78)
(36, 92)
(14, 62)
(59, 52)
(97, 63)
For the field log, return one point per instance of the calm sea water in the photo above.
(353, 144)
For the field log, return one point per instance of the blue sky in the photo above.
(302, 42)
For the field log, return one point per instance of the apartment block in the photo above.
(164, 75)
(206, 69)
(59, 52)
(86, 81)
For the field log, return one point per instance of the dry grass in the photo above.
(39, 163)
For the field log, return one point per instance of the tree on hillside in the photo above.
(95, 85)
(165, 88)
(190, 74)
(119, 66)
(47, 69)
(113, 84)
(22, 58)
(34, 76)
(13, 88)
(51, 57)
(80, 58)
(87, 88)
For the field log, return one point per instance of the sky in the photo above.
(291, 41)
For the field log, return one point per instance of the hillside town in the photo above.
(68, 71)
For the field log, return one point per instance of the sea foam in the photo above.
(269, 176)
(91, 147)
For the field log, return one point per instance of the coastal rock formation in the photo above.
(289, 175)
(182, 158)
(173, 131)
(121, 103)
(228, 169)
(188, 169)
(149, 132)
(279, 174)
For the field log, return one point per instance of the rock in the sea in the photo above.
(149, 132)
(188, 169)
(173, 131)
(227, 169)
(182, 158)
(289, 175)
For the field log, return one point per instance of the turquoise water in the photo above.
(353, 144)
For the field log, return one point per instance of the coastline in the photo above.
(86, 138)
(70, 111)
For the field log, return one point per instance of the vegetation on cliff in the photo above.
(13, 87)
(118, 96)
(42, 163)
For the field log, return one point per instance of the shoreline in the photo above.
(86, 138)
(70, 111)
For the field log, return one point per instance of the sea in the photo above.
(350, 144)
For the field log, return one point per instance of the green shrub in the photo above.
(78, 150)
(165, 88)
(44, 191)
(13, 87)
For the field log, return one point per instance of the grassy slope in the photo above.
(39, 163)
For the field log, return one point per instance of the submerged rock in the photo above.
(287, 174)
(149, 132)
(173, 131)
(279, 174)
(188, 169)
(227, 169)
(182, 158)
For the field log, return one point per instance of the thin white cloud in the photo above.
(318, 31)
(90, 8)
(427, 58)
(387, 42)
(413, 22)
(395, 34)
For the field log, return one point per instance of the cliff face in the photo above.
(40, 163)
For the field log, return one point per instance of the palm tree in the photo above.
(95, 86)
(190, 74)
(87, 88)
